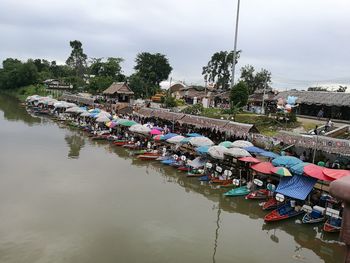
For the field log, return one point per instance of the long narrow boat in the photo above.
(184, 168)
(204, 178)
(315, 216)
(283, 212)
(270, 204)
(240, 191)
(120, 142)
(332, 225)
(260, 194)
(195, 173)
(147, 157)
(221, 182)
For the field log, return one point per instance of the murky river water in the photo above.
(65, 198)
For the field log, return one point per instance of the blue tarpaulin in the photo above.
(194, 135)
(253, 149)
(202, 149)
(168, 136)
(269, 154)
(297, 187)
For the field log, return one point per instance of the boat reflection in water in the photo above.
(75, 143)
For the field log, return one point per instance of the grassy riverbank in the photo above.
(23, 92)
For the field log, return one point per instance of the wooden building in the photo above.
(119, 92)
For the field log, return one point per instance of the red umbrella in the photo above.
(249, 159)
(316, 171)
(264, 167)
(335, 173)
(155, 132)
(157, 137)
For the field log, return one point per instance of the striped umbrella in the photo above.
(281, 171)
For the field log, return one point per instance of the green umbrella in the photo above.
(226, 144)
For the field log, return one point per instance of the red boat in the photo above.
(184, 168)
(221, 182)
(258, 194)
(332, 225)
(146, 157)
(270, 204)
(283, 212)
(120, 143)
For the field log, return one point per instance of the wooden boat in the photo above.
(259, 194)
(168, 161)
(221, 182)
(146, 157)
(184, 168)
(270, 204)
(240, 191)
(120, 142)
(332, 225)
(283, 212)
(195, 173)
(204, 178)
(315, 216)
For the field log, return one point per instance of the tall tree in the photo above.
(218, 70)
(138, 86)
(110, 68)
(239, 95)
(152, 68)
(77, 58)
(255, 80)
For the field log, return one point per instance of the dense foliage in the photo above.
(255, 80)
(239, 95)
(218, 70)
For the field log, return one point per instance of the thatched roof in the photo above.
(258, 95)
(317, 97)
(118, 88)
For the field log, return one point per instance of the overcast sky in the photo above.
(302, 42)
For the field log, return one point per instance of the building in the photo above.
(335, 105)
(57, 87)
(256, 99)
(119, 92)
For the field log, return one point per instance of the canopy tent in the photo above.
(201, 141)
(254, 149)
(138, 128)
(249, 159)
(127, 123)
(217, 152)
(241, 144)
(186, 140)
(286, 161)
(202, 149)
(237, 152)
(102, 119)
(264, 167)
(226, 144)
(335, 173)
(168, 136)
(298, 168)
(85, 114)
(316, 172)
(271, 155)
(194, 135)
(297, 186)
(155, 132)
(176, 139)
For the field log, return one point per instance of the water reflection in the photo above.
(13, 111)
(75, 143)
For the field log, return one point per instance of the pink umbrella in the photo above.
(155, 132)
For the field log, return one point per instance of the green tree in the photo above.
(152, 68)
(137, 85)
(239, 95)
(169, 102)
(255, 80)
(218, 70)
(100, 83)
(110, 68)
(77, 58)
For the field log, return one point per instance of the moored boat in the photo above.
(283, 212)
(146, 157)
(332, 225)
(270, 204)
(240, 191)
(315, 216)
(259, 194)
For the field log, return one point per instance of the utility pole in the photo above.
(235, 47)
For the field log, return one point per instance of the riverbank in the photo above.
(23, 92)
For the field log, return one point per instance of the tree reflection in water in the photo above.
(75, 143)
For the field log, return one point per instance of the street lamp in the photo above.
(235, 46)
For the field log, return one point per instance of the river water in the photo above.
(65, 198)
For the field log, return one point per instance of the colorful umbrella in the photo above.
(249, 159)
(286, 161)
(175, 139)
(281, 171)
(138, 128)
(263, 167)
(316, 171)
(102, 119)
(186, 140)
(298, 168)
(127, 123)
(241, 144)
(269, 154)
(226, 144)
(194, 135)
(168, 136)
(253, 149)
(155, 132)
(202, 149)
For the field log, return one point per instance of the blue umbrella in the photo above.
(298, 168)
(202, 149)
(186, 140)
(253, 149)
(286, 161)
(194, 135)
(168, 136)
(269, 154)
